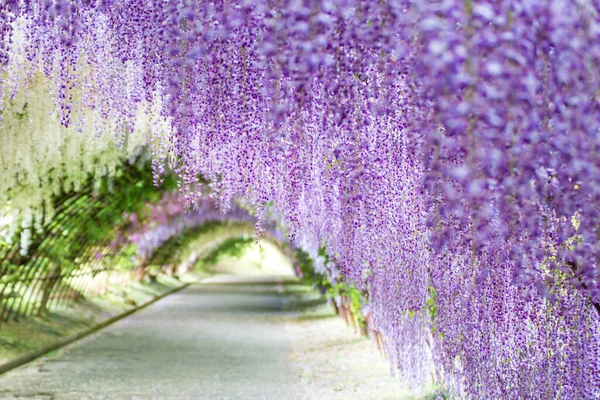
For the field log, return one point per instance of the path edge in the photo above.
(41, 351)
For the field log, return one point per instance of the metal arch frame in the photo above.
(74, 213)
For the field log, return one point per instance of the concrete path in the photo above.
(216, 340)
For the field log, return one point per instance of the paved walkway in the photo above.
(209, 341)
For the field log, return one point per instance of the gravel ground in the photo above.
(233, 338)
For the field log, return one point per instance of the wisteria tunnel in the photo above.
(231, 199)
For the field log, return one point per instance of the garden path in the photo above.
(210, 341)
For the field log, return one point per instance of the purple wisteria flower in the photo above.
(445, 153)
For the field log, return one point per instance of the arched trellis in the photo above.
(74, 253)
(173, 252)
(88, 243)
(185, 250)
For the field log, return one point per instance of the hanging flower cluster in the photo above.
(445, 153)
(41, 155)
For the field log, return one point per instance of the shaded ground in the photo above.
(29, 334)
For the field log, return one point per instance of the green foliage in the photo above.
(357, 299)
(232, 247)
(94, 216)
(325, 286)
(309, 275)
(171, 251)
(77, 240)
(439, 394)
(430, 302)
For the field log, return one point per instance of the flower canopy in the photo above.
(445, 153)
